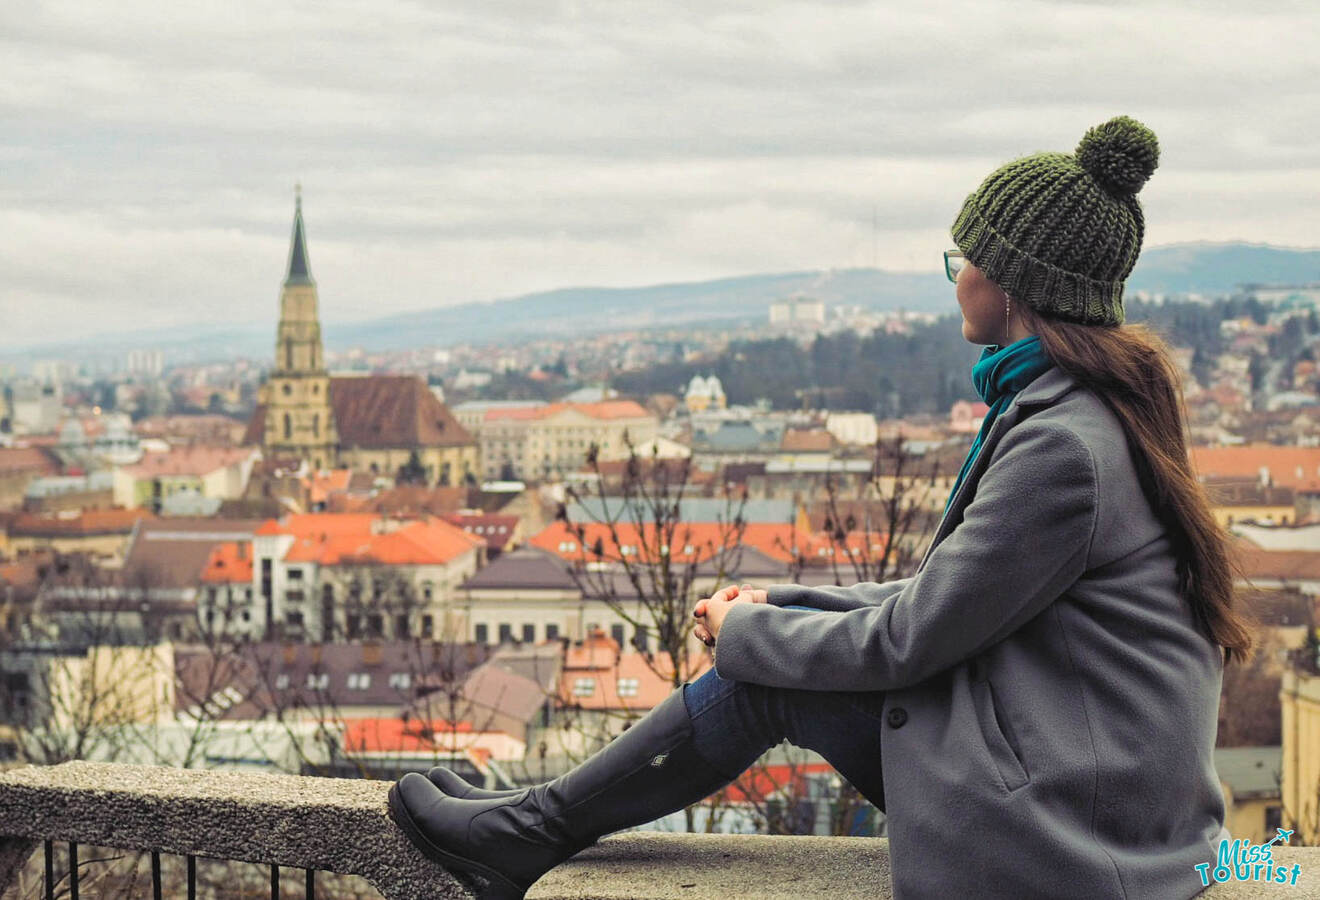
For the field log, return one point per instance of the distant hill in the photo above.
(1218, 269)
(1204, 268)
(569, 311)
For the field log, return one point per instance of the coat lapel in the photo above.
(1048, 387)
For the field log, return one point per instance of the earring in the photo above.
(1006, 317)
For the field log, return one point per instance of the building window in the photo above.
(428, 623)
(428, 591)
(401, 626)
(247, 616)
(1273, 818)
(481, 634)
(640, 640)
(584, 687)
(281, 682)
(293, 596)
(506, 633)
(318, 681)
(316, 432)
(616, 632)
(375, 624)
(288, 426)
(353, 626)
(294, 619)
(295, 574)
(359, 681)
(628, 687)
(529, 634)
(552, 632)
(401, 680)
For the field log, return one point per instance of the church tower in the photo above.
(299, 421)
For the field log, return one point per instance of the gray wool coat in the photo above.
(1050, 706)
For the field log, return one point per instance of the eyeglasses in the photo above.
(954, 262)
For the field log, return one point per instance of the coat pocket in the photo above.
(1003, 755)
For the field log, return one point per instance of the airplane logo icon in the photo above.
(1283, 835)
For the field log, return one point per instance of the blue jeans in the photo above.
(734, 722)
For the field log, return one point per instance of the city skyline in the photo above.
(490, 151)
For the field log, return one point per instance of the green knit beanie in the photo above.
(1062, 231)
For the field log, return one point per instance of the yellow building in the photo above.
(111, 685)
(1249, 777)
(546, 440)
(1300, 700)
(370, 423)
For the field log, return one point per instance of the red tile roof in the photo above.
(349, 539)
(394, 734)
(230, 562)
(1288, 466)
(378, 411)
(322, 484)
(762, 782)
(393, 411)
(1281, 564)
(594, 673)
(89, 522)
(14, 460)
(494, 528)
(774, 539)
(805, 440)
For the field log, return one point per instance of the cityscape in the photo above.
(351, 427)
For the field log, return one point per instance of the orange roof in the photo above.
(322, 484)
(593, 679)
(1287, 466)
(395, 734)
(867, 544)
(329, 524)
(761, 782)
(777, 540)
(229, 562)
(605, 409)
(195, 459)
(425, 542)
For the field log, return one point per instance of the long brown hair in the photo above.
(1129, 367)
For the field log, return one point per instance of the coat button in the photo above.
(897, 716)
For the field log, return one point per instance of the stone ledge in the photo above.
(342, 825)
(333, 824)
(649, 866)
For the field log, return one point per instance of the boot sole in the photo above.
(498, 887)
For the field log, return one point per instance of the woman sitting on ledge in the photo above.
(1035, 709)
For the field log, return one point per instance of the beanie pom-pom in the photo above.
(1121, 154)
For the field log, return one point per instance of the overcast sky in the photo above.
(477, 149)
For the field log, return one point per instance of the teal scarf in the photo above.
(998, 376)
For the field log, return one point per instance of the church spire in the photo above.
(300, 271)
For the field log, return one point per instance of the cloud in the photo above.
(482, 149)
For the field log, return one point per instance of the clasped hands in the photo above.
(710, 612)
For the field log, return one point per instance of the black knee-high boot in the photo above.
(454, 785)
(648, 771)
